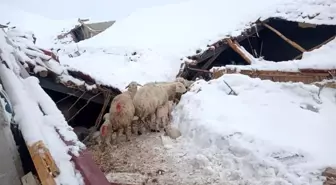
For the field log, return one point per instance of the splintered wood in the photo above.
(44, 163)
(235, 46)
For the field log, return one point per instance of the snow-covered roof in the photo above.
(37, 115)
(43, 63)
(148, 44)
(161, 38)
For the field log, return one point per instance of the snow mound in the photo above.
(44, 29)
(166, 33)
(268, 133)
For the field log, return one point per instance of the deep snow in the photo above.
(264, 134)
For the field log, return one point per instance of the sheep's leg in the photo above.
(126, 131)
(133, 127)
(152, 123)
(119, 133)
(140, 126)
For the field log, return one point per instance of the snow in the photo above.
(38, 117)
(159, 37)
(259, 131)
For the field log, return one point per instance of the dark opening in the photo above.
(26, 160)
(227, 57)
(78, 34)
(85, 118)
(273, 48)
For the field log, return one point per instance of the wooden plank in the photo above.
(292, 43)
(44, 163)
(236, 48)
(48, 84)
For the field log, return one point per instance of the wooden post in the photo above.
(292, 43)
(236, 48)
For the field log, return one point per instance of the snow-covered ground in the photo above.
(271, 133)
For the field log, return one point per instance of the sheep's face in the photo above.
(180, 88)
(133, 86)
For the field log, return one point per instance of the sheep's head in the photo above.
(133, 85)
(180, 88)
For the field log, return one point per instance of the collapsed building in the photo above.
(264, 49)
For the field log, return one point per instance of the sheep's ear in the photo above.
(139, 84)
(127, 86)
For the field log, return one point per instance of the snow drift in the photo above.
(270, 132)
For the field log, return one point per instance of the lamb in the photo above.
(105, 130)
(151, 96)
(122, 111)
(163, 115)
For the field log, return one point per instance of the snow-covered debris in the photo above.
(321, 58)
(37, 115)
(262, 135)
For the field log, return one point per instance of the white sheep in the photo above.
(122, 111)
(105, 130)
(150, 97)
(163, 115)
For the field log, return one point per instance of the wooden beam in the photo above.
(316, 47)
(207, 64)
(236, 48)
(247, 33)
(292, 43)
(44, 163)
(49, 84)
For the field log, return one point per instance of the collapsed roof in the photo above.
(294, 29)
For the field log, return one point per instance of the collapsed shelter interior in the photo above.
(265, 43)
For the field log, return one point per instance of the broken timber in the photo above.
(220, 46)
(44, 163)
(292, 43)
(306, 76)
(235, 46)
(207, 64)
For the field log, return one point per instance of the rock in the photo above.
(172, 132)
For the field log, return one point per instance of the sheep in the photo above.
(185, 82)
(151, 96)
(122, 112)
(163, 115)
(105, 130)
